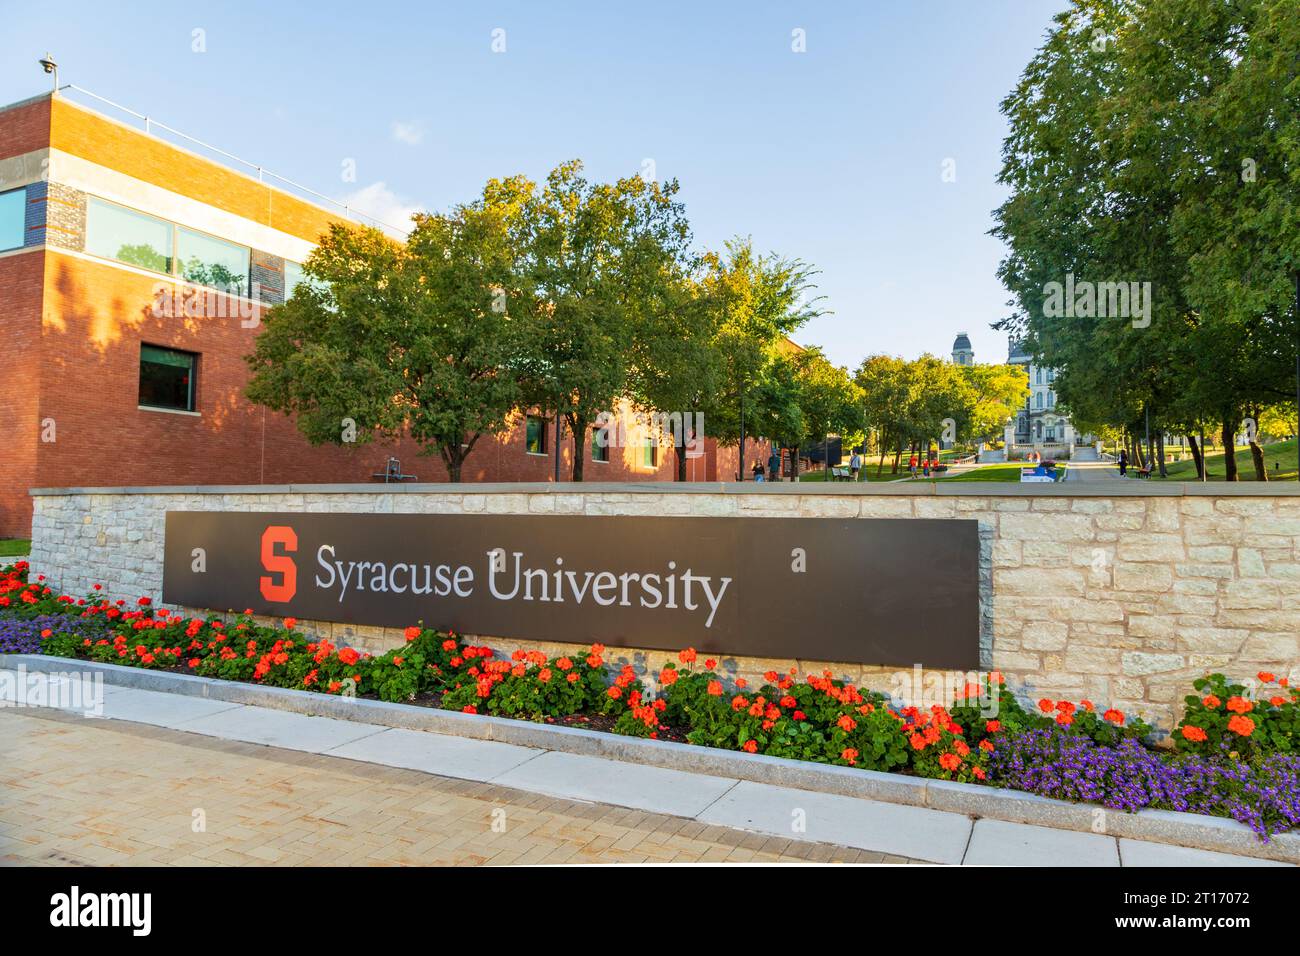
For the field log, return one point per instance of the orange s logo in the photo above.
(279, 563)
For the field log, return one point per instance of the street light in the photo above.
(50, 67)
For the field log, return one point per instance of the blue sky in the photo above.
(834, 155)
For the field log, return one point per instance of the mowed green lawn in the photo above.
(13, 547)
(1280, 457)
(1001, 472)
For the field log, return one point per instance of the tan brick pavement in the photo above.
(78, 791)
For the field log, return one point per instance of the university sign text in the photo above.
(878, 591)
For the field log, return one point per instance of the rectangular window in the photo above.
(292, 276)
(295, 275)
(115, 232)
(600, 444)
(13, 219)
(649, 454)
(535, 435)
(167, 378)
(206, 260)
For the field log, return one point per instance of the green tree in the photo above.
(885, 388)
(677, 363)
(1155, 142)
(600, 259)
(393, 339)
(828, 400)
(758, 301)
(996, 393)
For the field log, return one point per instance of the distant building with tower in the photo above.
(1038, 426)
(962, 353)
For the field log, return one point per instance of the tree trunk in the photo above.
(578, 426)
(452, 460)
(1198, 456)
(794, 463)
(1257, 456)
(897, 455)
(1229, 449)
(1160, 454)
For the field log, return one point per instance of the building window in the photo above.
(115, 232)
(13, 219)
(207, 260)
(167, 378)
(600, 444)
(648, 454)
(294, 277)
(1038, 376)
(1038, 400)
(535, 435)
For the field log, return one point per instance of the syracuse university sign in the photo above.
(877, 591)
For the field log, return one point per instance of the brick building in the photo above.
(100, 387)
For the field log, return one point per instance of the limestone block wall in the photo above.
(1123, 594)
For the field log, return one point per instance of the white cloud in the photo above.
(378, 202)
(409, 133)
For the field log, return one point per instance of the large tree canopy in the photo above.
(1155, 145)
(390, 339)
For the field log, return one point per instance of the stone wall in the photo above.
(1122, 594)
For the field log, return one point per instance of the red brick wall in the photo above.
(96, 316)
(20, 346)
(24, 128)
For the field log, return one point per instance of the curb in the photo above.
(1197, 831)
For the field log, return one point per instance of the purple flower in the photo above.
(23, 635)
(1263, 794)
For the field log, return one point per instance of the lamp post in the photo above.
(557, 444)
(49, 66)
(740, 463)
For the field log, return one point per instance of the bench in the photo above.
(840, 474)
(1144, 471)
(392, 472)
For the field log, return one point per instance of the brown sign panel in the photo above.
(874, 591)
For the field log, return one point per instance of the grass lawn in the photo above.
(14, 547)
(1001, 472)
(1281, 454)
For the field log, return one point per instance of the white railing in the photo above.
(263, 174)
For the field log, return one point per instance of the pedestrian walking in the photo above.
(855, 465)
(1123, 463)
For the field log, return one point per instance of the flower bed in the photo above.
(1236, 753)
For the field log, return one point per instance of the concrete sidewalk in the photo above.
(916, 832)
(1092, 471)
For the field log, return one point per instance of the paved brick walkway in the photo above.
(77, 791)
